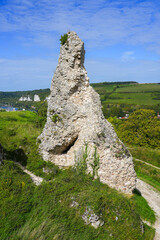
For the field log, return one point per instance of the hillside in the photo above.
(18, 134)
(129, 93)
(54, 209)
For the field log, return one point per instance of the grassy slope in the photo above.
(43, 212)
(147, 173)
(148, 155)
(18, 135)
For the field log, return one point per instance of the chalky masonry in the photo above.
(75, 118)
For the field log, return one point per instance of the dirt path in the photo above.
(153, 198)
(37, 180)
(147, 163)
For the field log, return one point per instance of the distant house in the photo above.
(125, 117)
(25, 99)
(36, 98)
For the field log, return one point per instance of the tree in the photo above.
(142, 129)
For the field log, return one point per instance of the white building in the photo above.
(36, 98)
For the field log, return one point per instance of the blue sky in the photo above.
(122, 40)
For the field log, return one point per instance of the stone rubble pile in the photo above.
(90, 217)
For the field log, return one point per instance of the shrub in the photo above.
(64, 38)
(142, 128)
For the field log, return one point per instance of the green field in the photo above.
(141, 88)
(132, 98)
(132, 94)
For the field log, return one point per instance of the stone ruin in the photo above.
(75, 118)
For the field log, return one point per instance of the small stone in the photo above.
(74, 204)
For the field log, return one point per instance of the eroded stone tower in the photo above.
(75, 118)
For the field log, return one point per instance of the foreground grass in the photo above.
(45, 212)
(143, 208)
(16, 190)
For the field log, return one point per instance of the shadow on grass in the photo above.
(137, 192)
(17, 155)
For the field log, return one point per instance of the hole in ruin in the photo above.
(70, 145)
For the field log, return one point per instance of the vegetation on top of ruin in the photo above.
(63, 39)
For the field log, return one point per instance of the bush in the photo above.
(64, 38)
(141, 129)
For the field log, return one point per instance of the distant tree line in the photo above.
(112, 83)
(43, 93)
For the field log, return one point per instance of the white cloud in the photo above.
(31, 73)
(36, 73)
(98, 22)
(112, 70)
(127, 56)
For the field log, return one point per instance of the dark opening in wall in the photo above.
(70, 145)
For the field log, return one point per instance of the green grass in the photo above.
(132, 98)
(16, 190)
(148, 155)
(18, 136)
(149, 232)
(44, 212)
(148, 174)
(145, 172)
(143, 209)
(105, 89)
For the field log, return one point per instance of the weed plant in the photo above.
(81, 160)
